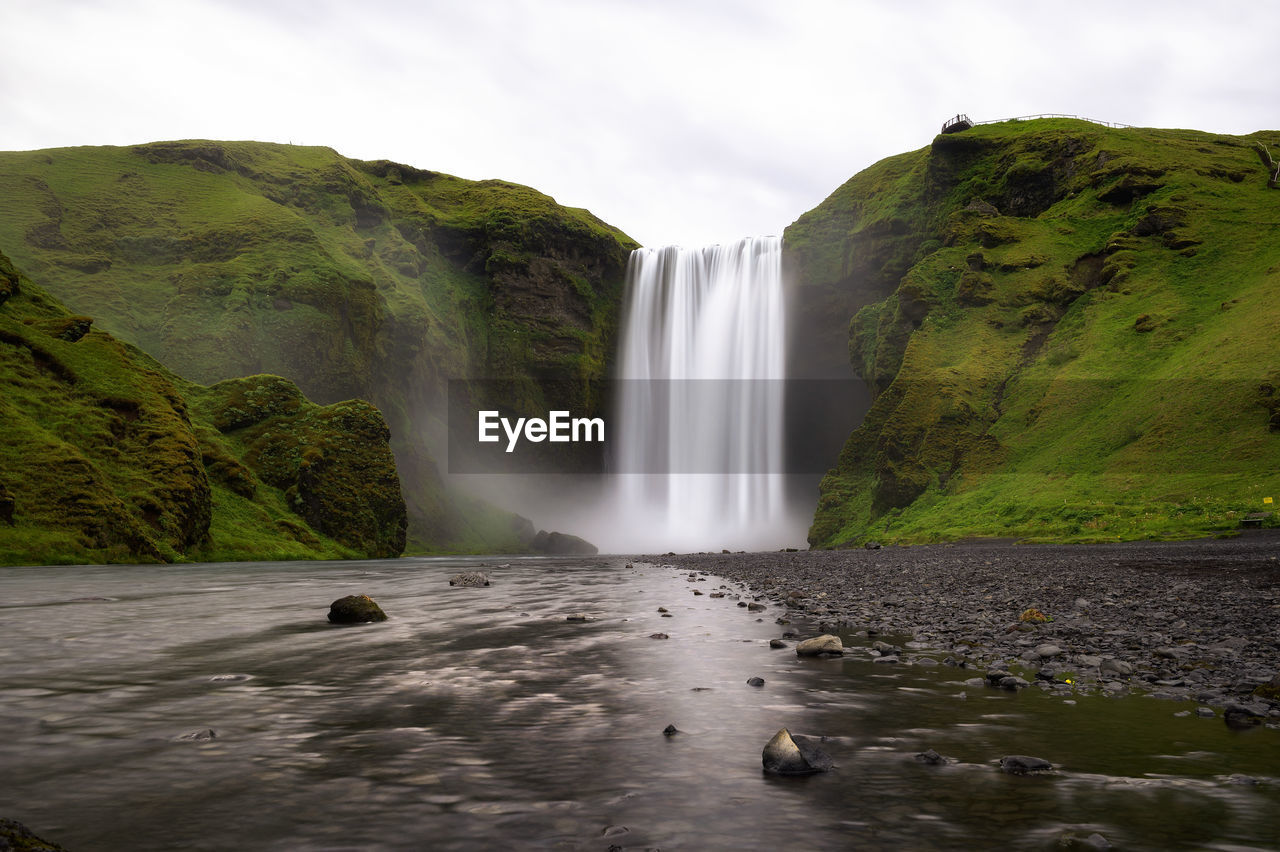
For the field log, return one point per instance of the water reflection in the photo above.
(481, 718)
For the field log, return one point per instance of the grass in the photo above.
(1107, 382)
(109, 457)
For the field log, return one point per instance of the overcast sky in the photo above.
(679, 121)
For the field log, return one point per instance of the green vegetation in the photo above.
(1070, 333)
(105, 456)
(369, 280)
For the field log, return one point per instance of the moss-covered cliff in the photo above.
(372, 280)
(106, 456)
(1069, 332)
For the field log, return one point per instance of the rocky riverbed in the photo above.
(1176, 620)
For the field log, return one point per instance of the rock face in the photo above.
(819, 646)
(355, 609)
(111, 458)
(562, 544)
(788, 754)
(962, 247)
(469, 578)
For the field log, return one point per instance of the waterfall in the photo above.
(699, 415)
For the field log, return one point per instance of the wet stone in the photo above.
(786, 754)
(1021, 764)
(825, 645)
(755, 681)
(355, 609)
(931, 757)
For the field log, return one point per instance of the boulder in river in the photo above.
(469, 578)
(820, 646)
(1021, 764)
(355, 609)
(931, 757)
(794, 755)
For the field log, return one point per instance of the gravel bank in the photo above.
(1179, 620)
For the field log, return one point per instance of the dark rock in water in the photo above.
(670, 731)
(578, 617)
(794, 755)
(659, 636)
(1239, 717)
(199, 736)
(355, 609)
(16, 836)
(755, 681)
(1012, 683)
(1020, 764)
(562, 544)
(996, 675)
(469, 578)
(931, 757)
(756, 607)
(777, 643)
(818, 646)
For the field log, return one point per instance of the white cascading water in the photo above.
(699, 419)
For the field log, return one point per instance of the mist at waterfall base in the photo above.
(702, 399)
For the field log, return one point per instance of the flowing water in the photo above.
(479, 718)
(700, 414)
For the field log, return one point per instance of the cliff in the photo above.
(1068, 331)
(106, 456)
(353, 279)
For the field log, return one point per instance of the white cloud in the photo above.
(676, 121)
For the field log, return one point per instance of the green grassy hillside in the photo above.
(353, 279)
(1070, 331)
(106, 456)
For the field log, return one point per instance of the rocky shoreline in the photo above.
(1195, 620)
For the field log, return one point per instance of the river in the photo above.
(479, 718)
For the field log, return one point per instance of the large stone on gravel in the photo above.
(1048, 650)
(1239, 716)
(355, 609)
(794, 755)
(1117, 667)
(820, 646)
(469, 578)
(1021, 764)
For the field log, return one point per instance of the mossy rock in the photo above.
(355, 609)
